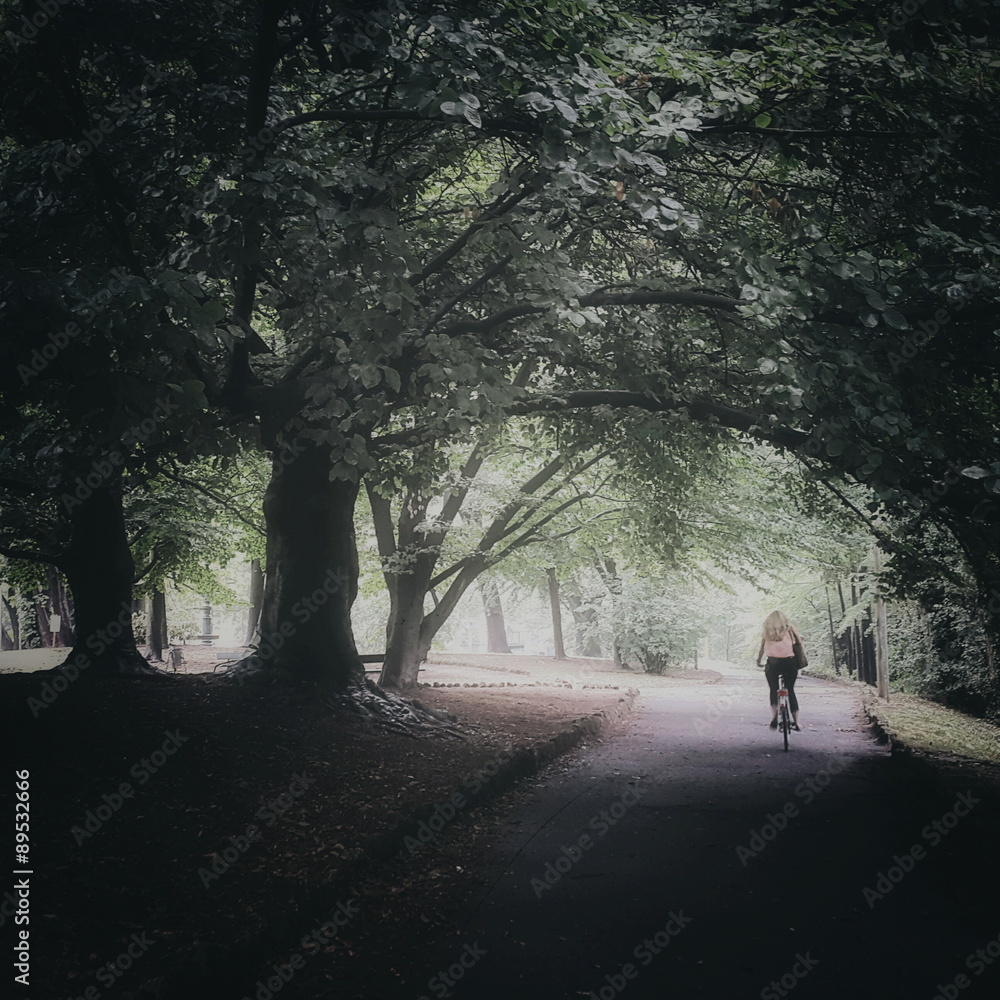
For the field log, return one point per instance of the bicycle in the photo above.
(784, 713)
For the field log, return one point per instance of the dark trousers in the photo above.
(786, 666)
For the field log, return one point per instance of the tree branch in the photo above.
(531, 534)
(470, 470)
(701, 409)
(381, 508)
(16, 485)
(498, 527)
(497, 209)
(156, 557)
(469, 289)
(222, 501)
(637, 297)
(525, 127)
(573, 474)
(885, 539)
(807, 133)
(43, 557)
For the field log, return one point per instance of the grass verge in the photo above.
(924, 727)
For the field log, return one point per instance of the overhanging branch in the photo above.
(700, 409)
(637, 297)
(489, 125)
(23, 554)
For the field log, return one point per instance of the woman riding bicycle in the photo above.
(776, 642)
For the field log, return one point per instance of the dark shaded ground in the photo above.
(245, 818)
(708, 773)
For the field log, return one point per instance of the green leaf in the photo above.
(895, 319)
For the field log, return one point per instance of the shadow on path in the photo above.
(692, 857)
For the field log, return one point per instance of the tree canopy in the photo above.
(360, 239)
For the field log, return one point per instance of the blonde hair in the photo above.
(775, 626)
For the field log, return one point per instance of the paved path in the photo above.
(27, 660)
(691, 857)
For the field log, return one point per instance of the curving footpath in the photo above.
(691, 857)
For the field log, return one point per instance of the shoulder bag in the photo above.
(798, 652)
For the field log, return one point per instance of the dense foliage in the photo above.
(360, 240)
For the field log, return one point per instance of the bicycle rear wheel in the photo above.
(784, 725)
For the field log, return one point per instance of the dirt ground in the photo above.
(201, 818)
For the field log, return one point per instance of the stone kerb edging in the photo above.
(513, 684)
(880, 725)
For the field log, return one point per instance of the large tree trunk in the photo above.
(156, 628)
(406, 646)
(585, 618)
(412, 631)
(98, 565)
(557, 633)
(40, 600)
(62, 605)
(868, 650)
(608, 571)
(409, 632)
(845, 641)
(15, 624)
(256, 600)
(496, 627)
(49, 602)
(311, 574)
(8, 637)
